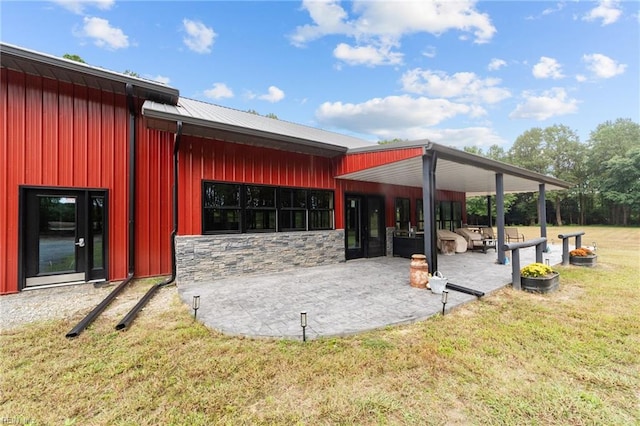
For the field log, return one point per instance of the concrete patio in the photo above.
(343, 299)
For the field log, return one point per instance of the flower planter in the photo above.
(541, 284)
(583, 260)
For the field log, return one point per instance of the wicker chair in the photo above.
(512, 234)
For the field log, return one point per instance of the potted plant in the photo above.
(539, 278)
(582, 257)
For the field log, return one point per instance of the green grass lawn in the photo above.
(567, 358)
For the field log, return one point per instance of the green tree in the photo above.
(621, 182)
(131, 73)
(609, 139)
(73, 58)
(388, 141)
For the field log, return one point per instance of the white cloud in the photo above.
(392, 112)
(603, 66)
(462, 86)
(219, 91)
(161, 79)
(551, 103)
(406, 117)
(496, 64)
(547, 68)
(551, 10)
(384, 23)
(429, 52)
(103, 33)
(79, 6)
(581, 78)
(367, 55)
(199, 37)
(482, 137)
(274, 95)
(607, 10)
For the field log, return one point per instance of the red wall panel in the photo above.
(56, 134)
(354, 162)
(206, 159)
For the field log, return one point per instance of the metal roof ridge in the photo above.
(286, 122)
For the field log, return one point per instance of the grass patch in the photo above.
(569, 357)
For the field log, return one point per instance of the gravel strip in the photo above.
(67, 302)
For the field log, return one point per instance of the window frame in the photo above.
(315, 218)
(403, 214)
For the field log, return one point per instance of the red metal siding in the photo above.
(205, 159)
(60, 135)
(355, 162)
(154, 180)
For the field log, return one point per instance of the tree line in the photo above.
(605, 171)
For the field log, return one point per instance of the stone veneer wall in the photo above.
(390, 240)
(210, 257)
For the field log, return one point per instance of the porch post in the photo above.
(489, 211)
(429, 160)
(500, 216)
(542, 214)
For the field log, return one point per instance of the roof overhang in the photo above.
(164, 117)
(455, 171)
(48, 66)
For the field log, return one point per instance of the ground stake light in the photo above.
(595, 247)
(196, 305)
(445, 297)
(303, 324)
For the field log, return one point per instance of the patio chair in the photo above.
(487, 233)
(512, 234)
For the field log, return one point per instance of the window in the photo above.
(260, 205)
(293, 209)
(256, 208)
(403, 214)
(450, 215)
(420, 214)
(320, 210)
(221, 205)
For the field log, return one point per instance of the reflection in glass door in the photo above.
(353, 230)
(63, 236)
(364, 226)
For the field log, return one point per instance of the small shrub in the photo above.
(536, 270)
(581, 252)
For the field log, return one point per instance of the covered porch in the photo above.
(436, 167)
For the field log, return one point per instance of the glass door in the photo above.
(375, 227)
(364, 226)
(353, 227)
(63, 236)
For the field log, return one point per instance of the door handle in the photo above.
(80, 242)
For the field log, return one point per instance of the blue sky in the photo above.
(459, 73)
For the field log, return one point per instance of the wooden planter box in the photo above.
(540, 284)
(583, 260)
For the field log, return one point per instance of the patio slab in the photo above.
(342, 299)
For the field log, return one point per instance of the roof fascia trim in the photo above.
(463, 157)
(73, 66)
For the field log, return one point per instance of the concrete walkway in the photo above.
(345, 298)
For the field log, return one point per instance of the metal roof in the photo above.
(48, 66)
(213, 121)
(455, 171)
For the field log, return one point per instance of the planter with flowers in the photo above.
(539, 278)
(582, 257)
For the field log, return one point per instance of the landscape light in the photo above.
(445, 298)
(595, 247)
(303, 324)
(195, 305)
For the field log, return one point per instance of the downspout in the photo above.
(91, 316)
(128, 318)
